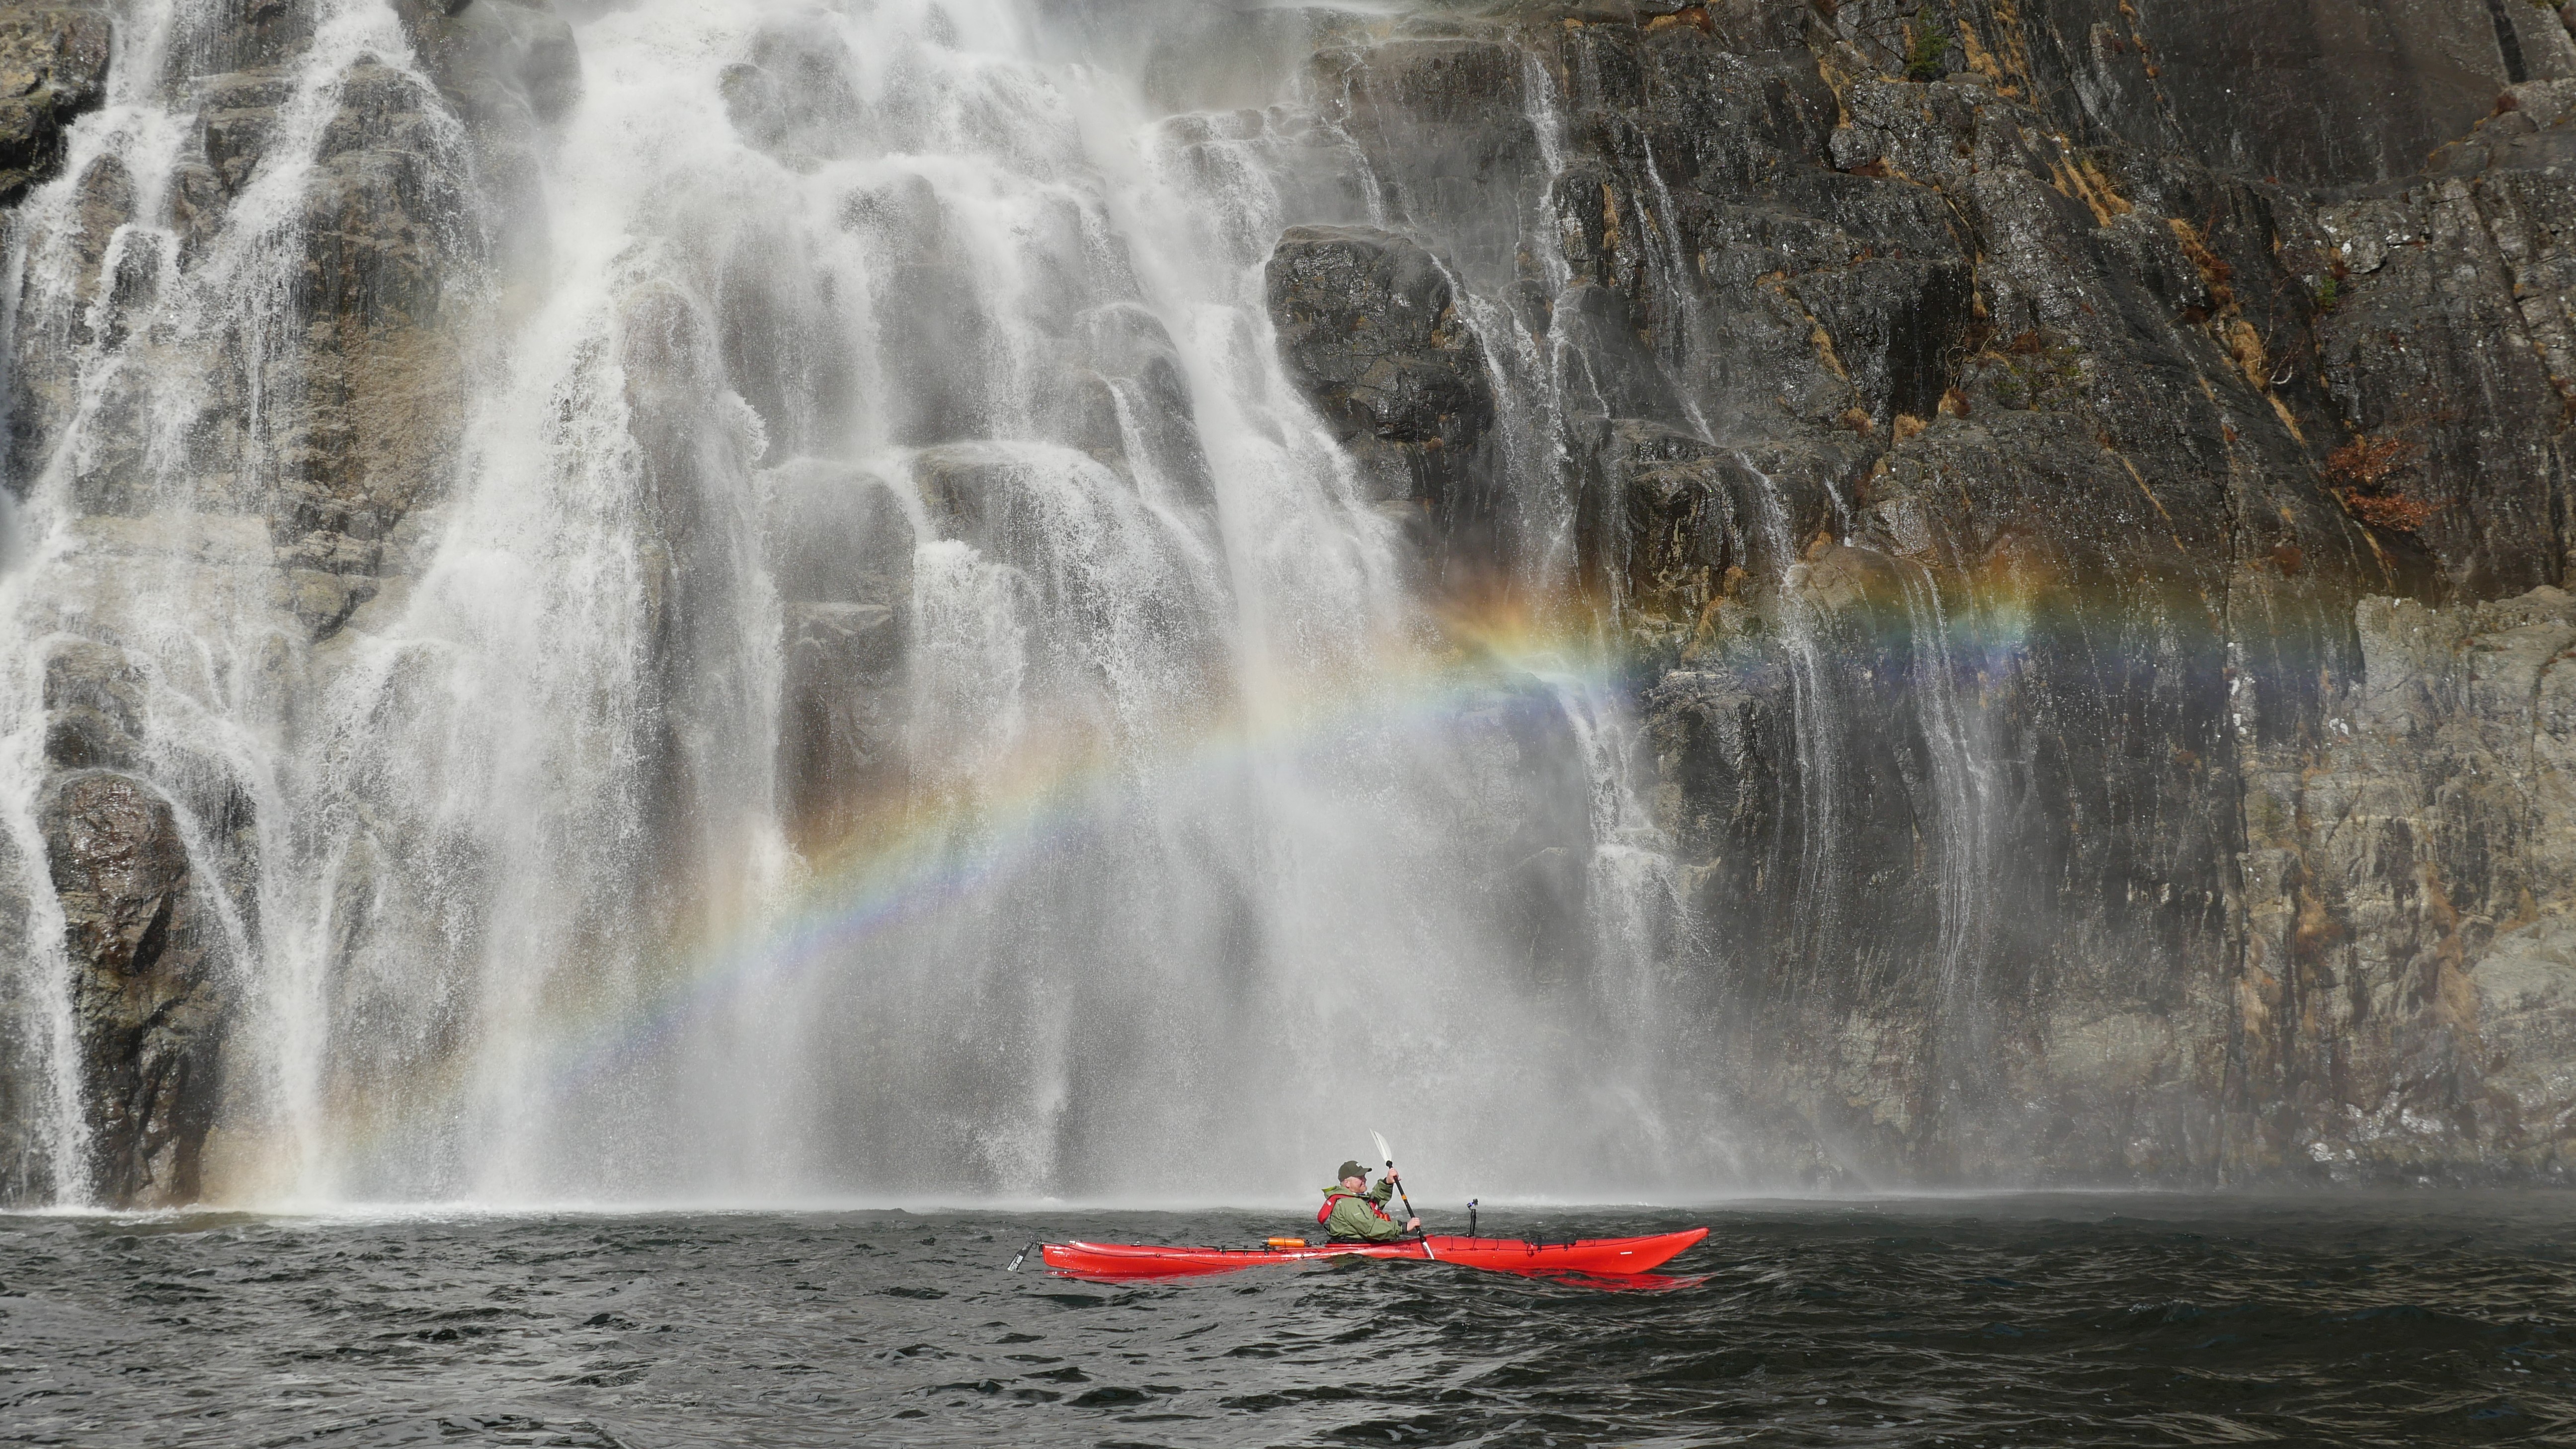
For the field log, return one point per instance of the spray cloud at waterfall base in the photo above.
(783, 602)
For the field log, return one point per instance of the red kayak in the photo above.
(1586, 1255)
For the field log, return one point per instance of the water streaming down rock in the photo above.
(177, 421)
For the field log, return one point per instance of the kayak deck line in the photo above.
(1581, 1255)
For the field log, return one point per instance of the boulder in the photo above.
(511, 64)
(146, 954)
(840, 739)
(1370, 330)
(931, 310)
(1146, 424)
(835, 533)
(840, 552)
(796, 97)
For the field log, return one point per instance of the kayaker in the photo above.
(1356, 1212)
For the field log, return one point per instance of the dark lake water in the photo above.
(2056, 1320)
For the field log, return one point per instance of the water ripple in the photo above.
(2024, 1321)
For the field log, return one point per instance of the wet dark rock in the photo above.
(1451, 106)
(53, 67)
(363, 429)
(795, 96)
(1897, 325)
(508, 70)
(511, 64)
(237, 35)
(841, 551)
(697, 446)
(1675, 527)
(837, 534)
(321, 601)
(985, 496)
(371, 433)
(240, 113)
(1037, 511)
(94, 707)
(147, 992)
(840, 745)
(103, 200)
(1371, 332)
(1148, 427)
(2348, 94)
(382, 215)
(930, 310)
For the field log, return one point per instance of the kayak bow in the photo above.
(1586, 1255)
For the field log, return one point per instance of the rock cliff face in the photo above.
(2079, 490)
(147, 997)
(2084, 485)
(2407, 969)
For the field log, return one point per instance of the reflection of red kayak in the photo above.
(1587, 1255)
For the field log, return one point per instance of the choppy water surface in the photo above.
(2061, 1320)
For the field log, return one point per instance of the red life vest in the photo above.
(1325, 1212)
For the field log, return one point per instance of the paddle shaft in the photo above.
(1399, 1190)
(1386, 1154)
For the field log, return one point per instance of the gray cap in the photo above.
(1350, 1169)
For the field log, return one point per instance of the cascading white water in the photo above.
(139, 525)
(900, 695)
(1818, 724)
(1963, 774)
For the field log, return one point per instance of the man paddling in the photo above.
(1355, 1212)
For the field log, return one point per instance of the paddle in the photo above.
(1386, 1154)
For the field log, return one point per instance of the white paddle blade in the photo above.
(1385, 1154)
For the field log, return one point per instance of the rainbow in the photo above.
(877, 877)
(907, 856)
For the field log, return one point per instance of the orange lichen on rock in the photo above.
(2214, 273)
(2363, 474)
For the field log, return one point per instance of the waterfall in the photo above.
(889, 691)
(158, 355)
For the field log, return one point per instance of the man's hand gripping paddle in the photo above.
(1386, 1155)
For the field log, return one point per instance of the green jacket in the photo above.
(1359, 1216)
